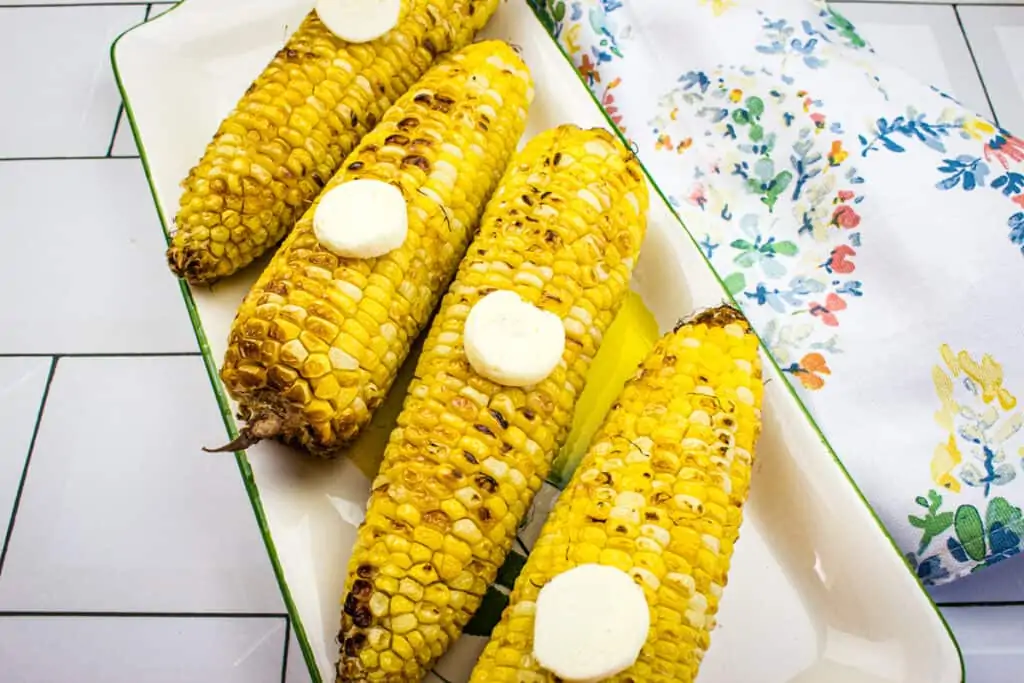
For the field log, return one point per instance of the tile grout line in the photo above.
(104, 354)
(52, 5)
(81, 158)
(983, 603)
(926, 3)
(974, 61)
(113, 136)
(287, 639)
(139, 615)
(28, 461)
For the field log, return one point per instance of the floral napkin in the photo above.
(869, 225)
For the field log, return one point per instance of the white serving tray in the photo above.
(818, 592)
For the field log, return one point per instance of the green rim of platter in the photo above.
(243, 462)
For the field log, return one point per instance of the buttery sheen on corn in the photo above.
(293, 127)
(659, 495)
(460, 470)
(319, 338)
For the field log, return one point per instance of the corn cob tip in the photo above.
(264, 427)
(190, 265)
(716, 316)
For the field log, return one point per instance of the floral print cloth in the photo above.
(870, 226)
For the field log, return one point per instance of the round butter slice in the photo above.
(361, 218)
(590, 623)
(359, 21)
(511, 341)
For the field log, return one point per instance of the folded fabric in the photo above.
(870, 227)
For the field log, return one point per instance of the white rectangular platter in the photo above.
(818, 593)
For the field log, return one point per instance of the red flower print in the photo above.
(845, 217)
(833, 304)
(845, 195)
(608, 102)
(810, 369)
(819, 120)
(697, 196)
(1004, 150)
(837, 262)
(1018, 200)
(589, 70)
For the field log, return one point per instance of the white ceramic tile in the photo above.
(1002, 582)
(63, 80)
(925, 41)
(296, 670)
(157, 10)
(992, 641)
(22, 382)
(69, 3)
(131, 650)
(84, 252)
(997, 37)
(124, 141)
(121, 509)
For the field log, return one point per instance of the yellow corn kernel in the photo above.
(274, 393)
(681, 553)
(479, 451)
(260, 153)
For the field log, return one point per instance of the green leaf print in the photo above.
(559, 12)
(933, 523)
(970, 531)
(786, 248)
(846, 29)
(735, 283)
(1000, 511)
(755, 106)
(740, 116)
(756, 133)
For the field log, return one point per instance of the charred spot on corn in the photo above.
(319, 339)
(470, 454)
(270, 157)
(659, 494)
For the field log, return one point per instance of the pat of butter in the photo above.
(361, 218)
(512, 342)
(359, 21)
(591, 622)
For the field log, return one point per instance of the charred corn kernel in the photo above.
(289, 133)
(492, 445)
(680, 560)
(275, 394)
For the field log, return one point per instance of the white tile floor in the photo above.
(129, 555)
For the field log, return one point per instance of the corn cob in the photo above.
(318, 340)
(460, 470)
(659, 495)
(295, 124)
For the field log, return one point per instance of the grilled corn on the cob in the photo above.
(295, 124)
(318, 340)
(659, 495)
(460, 470)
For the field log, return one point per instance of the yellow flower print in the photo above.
(572, 37)
(735, 95)
(944, 389)
(979, 129)
(977, 415)
(949, 358)
(944, 461)
(719, 7)
(989, 374)
(837, 154)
